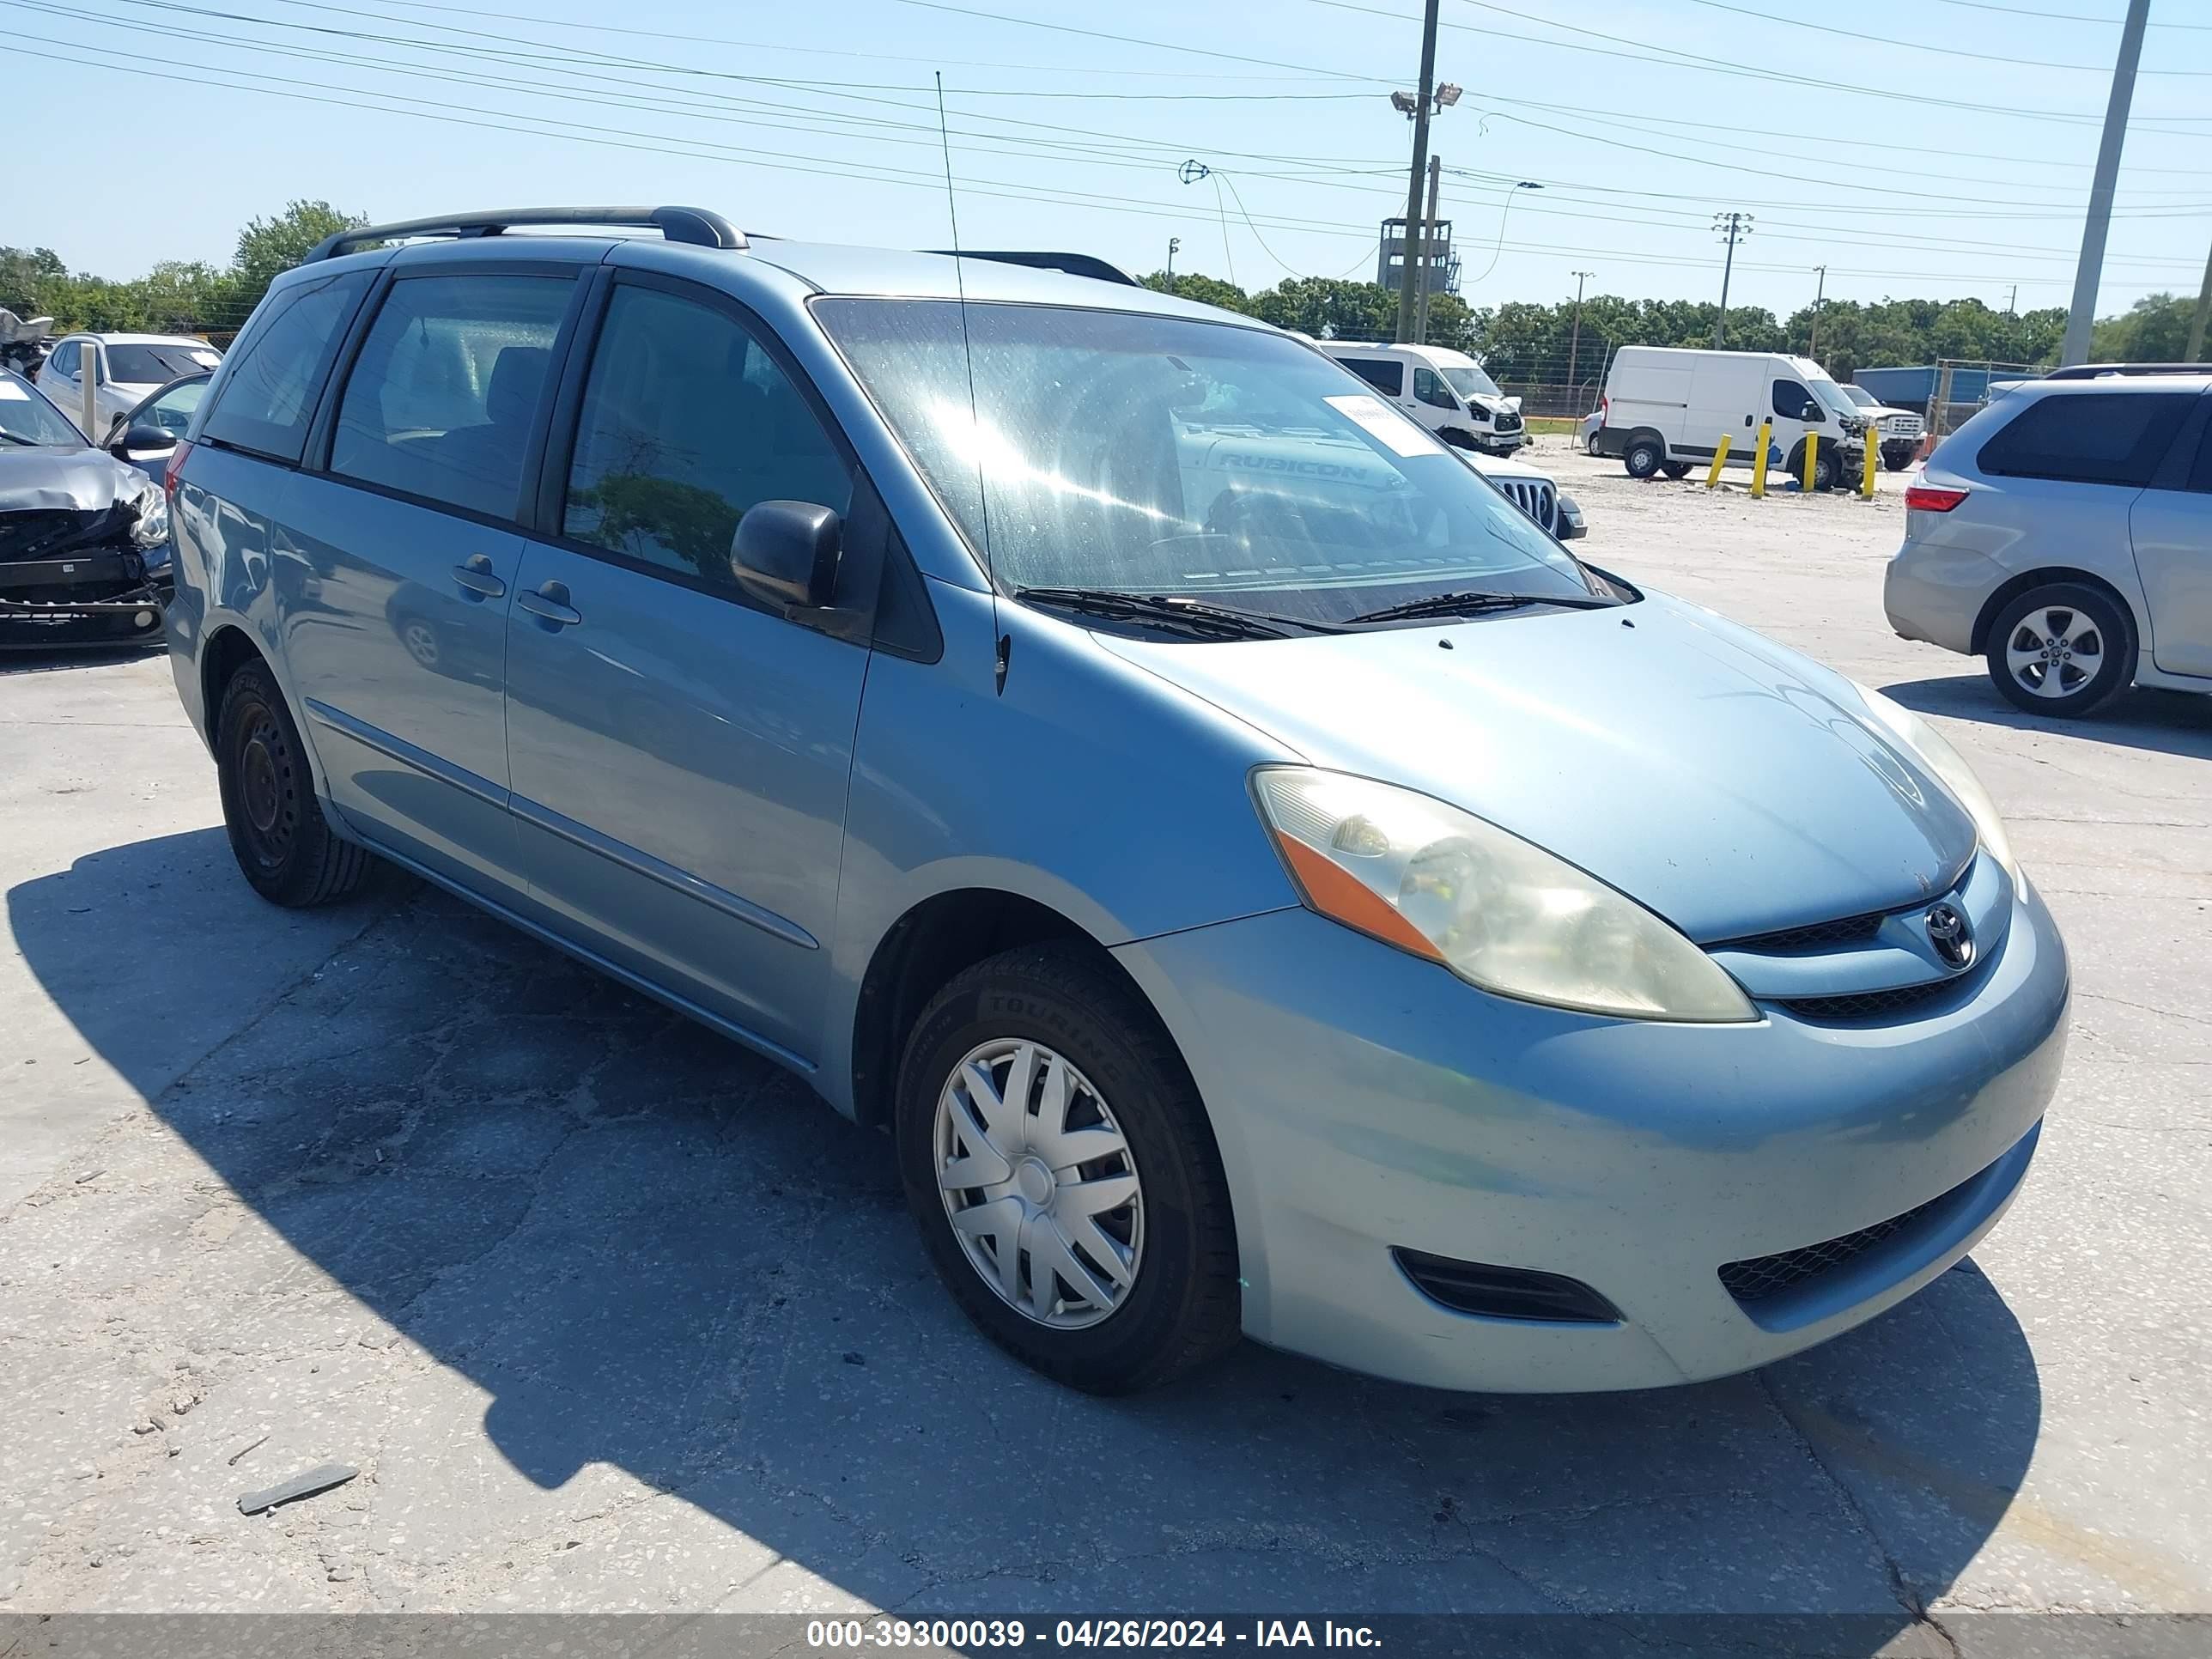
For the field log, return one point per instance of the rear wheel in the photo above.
(1644, 457)
(1896, 459)
(1676, 469)
(1057, 1156)
(277, 832)
(2062, 650)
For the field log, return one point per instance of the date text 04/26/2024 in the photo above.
(829, 1634)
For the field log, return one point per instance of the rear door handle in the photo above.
(548, 602)
(474, 577)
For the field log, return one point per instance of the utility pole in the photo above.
(1428, 236)
(2012, 299)
(2083, 312)
(1173, 242)
(1812, 345)
(2195, 352)
(1735, 227)
(1424, 98)
(1575, 340)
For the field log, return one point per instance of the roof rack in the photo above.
(697, 226)
(1075, 264)
(2099, 371)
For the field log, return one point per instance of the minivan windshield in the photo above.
(1159, 456)
(1471, 382)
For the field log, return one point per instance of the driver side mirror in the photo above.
(141, 436)
(785, 554)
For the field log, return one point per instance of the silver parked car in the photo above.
(2065, 533)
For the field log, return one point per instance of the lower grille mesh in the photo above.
(1760, 1277)
(1870, 1004)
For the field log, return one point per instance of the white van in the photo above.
(1445, 390)
(1666, 408)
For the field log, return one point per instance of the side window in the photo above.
(278, 366)
(2200, 476)
(63, 361)
(440, 402)
(1430, 388)
(173, 410)
(2098, 437)
(686, 422)
(1382, 376)
(1791, 400)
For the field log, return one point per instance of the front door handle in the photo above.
(548, 602)
(474, 577)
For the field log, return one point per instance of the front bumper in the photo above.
(1365, 1100)
(107, 612)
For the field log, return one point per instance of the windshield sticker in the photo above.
(12, 393)
(1400, 436)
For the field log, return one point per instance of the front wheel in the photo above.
(2062, 650)
(1644, 457)
(1055, 1152)
(283, 845)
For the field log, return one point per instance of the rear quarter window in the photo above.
(1387, 377)
(2109, 438)
(276, 370)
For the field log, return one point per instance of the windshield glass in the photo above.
(1859, 395)
(1829, 393)
(1154, 455)
(151, 365)
(26, 418)
(1471, 383)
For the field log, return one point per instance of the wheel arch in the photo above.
(222, 653)
(937, 937)
(2052, 576)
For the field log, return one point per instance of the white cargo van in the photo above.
(1445, 390)
(1666, 408)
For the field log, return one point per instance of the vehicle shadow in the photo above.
(38, 660)
(2166, 722)
(649, 1250)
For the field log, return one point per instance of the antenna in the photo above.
(974, 417)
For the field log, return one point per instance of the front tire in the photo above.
(283, 844)
(1056, 1155)
(2062, 650)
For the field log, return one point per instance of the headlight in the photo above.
(151, 527)
(1951, 770)
(1500, 913)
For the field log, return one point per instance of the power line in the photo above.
(2064, 16)
(1863, 37)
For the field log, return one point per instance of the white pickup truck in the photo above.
(1900, 429)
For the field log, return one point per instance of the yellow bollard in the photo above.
(1720, 459)
(1866, 479)
(1812, 452)
(1759, 460)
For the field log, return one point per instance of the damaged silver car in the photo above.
(84, 537)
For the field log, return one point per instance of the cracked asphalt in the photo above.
(612, 1315)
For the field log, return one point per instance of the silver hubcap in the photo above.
(1039, 1183)
(2054, 651)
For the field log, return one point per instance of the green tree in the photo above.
(267, 248)
(1206, 290)
(2153, 329)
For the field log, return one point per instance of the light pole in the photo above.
(1575, 340)
(1812, 345)
(1735, 227)
(2203, 309)
(2083, 311)
(1429, 231)
(1418, 106)
(1173, 242)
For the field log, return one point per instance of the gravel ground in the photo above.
(610, 1316)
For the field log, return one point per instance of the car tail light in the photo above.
(169, 473)
(1926, 498)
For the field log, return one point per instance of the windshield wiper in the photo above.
(14, 438)
(1216, 621)
(1475, 602)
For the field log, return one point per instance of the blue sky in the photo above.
(1906, 144)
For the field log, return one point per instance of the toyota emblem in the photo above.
(1949, 932)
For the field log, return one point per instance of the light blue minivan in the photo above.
(1263, 881)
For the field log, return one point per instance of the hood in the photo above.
(1491, 467)
(69, 480)
(1731, 785)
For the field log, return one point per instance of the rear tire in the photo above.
(1133, 1292)
(283, 844)
(1897, 463)
(2062, 650)
(1676, 469)
(1644, 457)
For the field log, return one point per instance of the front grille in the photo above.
(1762, 1278)
(1854, 1005)
(1903, 426)
(1534, 497)
(1844, 930)
(35, 535)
